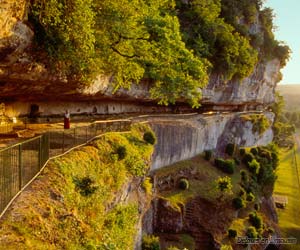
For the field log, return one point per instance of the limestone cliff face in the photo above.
(15, 35)
(21, 74)
(190, 136)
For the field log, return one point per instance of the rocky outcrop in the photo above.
(192, 135)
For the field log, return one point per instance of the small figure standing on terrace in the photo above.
(67, 120)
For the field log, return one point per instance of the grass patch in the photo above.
(203, 185)
(287, 185)
(70, 205)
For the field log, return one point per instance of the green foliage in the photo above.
(250, 197)
(149, 137)
(183, 184)
(67, 33)
(224, 184)
(244, 176)
(247, 158)
(255, 220)
(251, 232)
(209, 36)
(232, 233)
(129, 41)
(260, 123)
(254, 167)
(150, 242)
(172, 45)
(242, 151)
(242, 193)
(73, 201)
(254, 151)
(248, 11)
(148, 45)
(230, 149)
(122, 152)
(85, 186)
(283, 130)
(227, 166)
(237, 161)
(208, 154)
(119, 223)
(173, 248)
(147, 185)
(238, 203)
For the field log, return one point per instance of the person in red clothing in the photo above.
(67, 120)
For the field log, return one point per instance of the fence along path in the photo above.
(20, 163)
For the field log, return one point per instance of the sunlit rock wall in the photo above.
(182, 139)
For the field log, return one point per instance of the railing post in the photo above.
(20, 166)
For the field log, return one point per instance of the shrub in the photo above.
(237, 161)
(122, 152)
(85, 186)
(242, 192)
(224, 184)
(255, 220)
(244, 176)
(250, 197)
(254, 151)
(242, 151)
(248, 157)
(232, 233)
(254, 166)
(219, 162)
(150, 242)
(227, 166)
(173, 248)
(230, 149)
(149, 137)
(238, 203)
(207, 154)
(183, 184)
(147, 185)
(251, 232)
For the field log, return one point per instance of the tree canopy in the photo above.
(174, 45)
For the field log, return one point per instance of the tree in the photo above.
(224, 186)
(142, 39)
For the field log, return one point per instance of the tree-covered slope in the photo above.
(174, 45)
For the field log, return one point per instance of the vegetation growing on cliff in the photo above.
(72, 205)
(173, 45)
(260, 123)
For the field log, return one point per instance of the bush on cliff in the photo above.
(208, 154)
(183, 184)
(227, 166)
(150, 137)
(238, 203)
(230, 149)
(150, 242)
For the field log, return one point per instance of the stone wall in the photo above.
(184, 138)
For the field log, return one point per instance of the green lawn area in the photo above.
(287, 185)
(203, 186)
